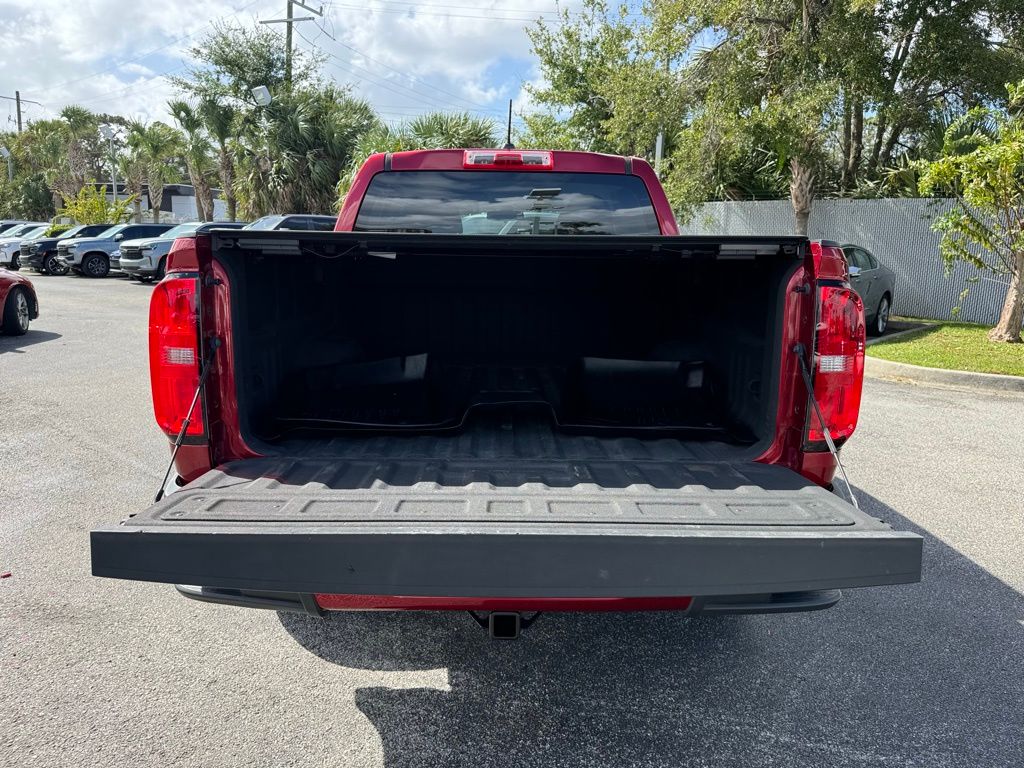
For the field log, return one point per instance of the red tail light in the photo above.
(521, 161)
(838, 364)
(174, 354)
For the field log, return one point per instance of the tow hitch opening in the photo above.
(502, 625)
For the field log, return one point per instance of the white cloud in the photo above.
(404, 57)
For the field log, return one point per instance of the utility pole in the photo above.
(16, 98)
(288, 21)
(288, 46)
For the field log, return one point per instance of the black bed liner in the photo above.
(291, 524)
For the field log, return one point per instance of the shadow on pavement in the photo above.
(924, 675)
(18, 343)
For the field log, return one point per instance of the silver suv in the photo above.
(94, 256)
(146, 259)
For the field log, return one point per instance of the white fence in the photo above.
(898, 231)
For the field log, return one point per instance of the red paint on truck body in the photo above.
(224, 439)
(333, 602)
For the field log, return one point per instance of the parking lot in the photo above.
(107, 673)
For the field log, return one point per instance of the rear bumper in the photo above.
(317, 605)
(243, 527)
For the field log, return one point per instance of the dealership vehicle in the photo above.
(18, 303)
(6, 225)
(94, 256)
(10, 244)
(41, 254)
(579, 410)
(875, 284)
(145, 259)
(294, 221)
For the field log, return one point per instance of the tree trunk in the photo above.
(845, 148)
(197, 192)
(156, 199)
(801, 193)
(227, 181)
(856, 141)
(890, 145)
(1012, 316)
(876, 149)
(205, 192)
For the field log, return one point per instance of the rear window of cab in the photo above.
(507, 203)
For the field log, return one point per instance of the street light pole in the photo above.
(108, 133)
(6, 154)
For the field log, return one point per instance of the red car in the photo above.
(506, 384)
(18, 303)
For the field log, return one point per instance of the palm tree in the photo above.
(159, 144)
(451, 130)
(295, 150)
(219, 120)
(197, 150)
(132, 165)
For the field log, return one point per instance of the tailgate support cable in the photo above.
(805, 371)
(206, 366)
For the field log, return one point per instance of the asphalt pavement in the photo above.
(97, 672)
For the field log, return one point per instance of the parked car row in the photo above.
(138, 250)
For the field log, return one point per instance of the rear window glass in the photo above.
(507, 203)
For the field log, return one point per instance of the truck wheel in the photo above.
(54, 266)
(15, 262)
(161, 269)
(16, 313)
(95, 265)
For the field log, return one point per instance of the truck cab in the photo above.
(506, 384)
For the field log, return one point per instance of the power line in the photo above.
(409, 92)
(418, 10)
(290, 21)
(131, 86)
(400, 72)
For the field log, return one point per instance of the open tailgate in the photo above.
(269, 524)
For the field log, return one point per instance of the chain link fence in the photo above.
(898, 231)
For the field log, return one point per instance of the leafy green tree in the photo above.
(294, 151)
(91, 206)
(196, 151)
(984, 173)
(26, 197)
(906, 64)
(233, 59)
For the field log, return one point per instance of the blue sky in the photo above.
(405, 57)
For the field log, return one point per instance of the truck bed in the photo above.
(510, 449)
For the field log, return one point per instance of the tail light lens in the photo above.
(838, 364)
(174, 354)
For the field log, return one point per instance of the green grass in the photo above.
(955, 346)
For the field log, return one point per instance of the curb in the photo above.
(877, 368)
(898, 334)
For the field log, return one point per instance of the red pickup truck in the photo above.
(506, 384)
